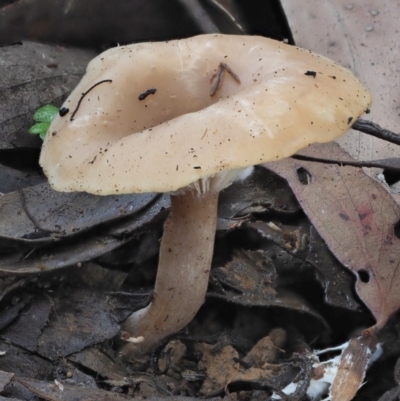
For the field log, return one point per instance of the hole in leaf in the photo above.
(397, 230)
(391, 177)
(304, 176)
(364, 276)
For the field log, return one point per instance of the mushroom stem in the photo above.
(183, 271)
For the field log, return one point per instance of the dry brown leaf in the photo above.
(219, 367)
(353, 364)
(356, 217)
(362, 36)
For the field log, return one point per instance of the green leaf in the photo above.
(40, 129)
(45, 114)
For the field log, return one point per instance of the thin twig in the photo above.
(370, 128)
(370, 164)
(84, 94)
(216, 80)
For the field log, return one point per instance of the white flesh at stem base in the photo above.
(183, 271)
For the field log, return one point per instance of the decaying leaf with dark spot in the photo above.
(356, 217)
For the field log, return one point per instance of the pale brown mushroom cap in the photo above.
(117, 143)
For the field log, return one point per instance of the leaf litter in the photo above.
(82, 307)
(303, 245)
(362, 36)
(357, 218)
(250, 280)
(242, 295)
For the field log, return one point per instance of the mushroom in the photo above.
(189, 117)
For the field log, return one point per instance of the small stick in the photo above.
(218, 77)
(370, 128)
(84, 94)
(370, 164)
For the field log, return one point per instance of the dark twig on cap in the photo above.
(84, 94)
(218, 77)
(146, 93)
